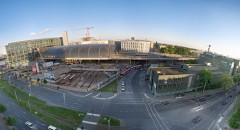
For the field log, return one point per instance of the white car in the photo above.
(53, 128)
(29, 124)
(123, 89)
(122, 83)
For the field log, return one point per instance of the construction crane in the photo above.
(88, 33)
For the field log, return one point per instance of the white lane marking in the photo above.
(160, 118)
(211, 125)
(97, 95)
(89, 122)
(92, 114)
(220, 119)
(155, 117)
(150, 116)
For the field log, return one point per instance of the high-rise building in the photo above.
(65, 38)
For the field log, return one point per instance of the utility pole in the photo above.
(64, 99)
(109, 123)
(16, 95)
(29, 105)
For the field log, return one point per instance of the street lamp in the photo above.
(109, 123)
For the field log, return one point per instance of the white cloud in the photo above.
(41, 32)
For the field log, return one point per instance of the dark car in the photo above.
(224, 102)
(180, 94)
(165, 102)
(234, 89)
(196, 119)
(230, 96)
(202, 99)
(208, 95)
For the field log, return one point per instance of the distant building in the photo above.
(223, 63)
(65, 38)
(21, 53)
(135, 46)
(97, 42)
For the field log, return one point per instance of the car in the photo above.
(180, 94)
(123, 83)
(230, 96)
(196, 119)
(29, 124)
(165, 102)
(224, 102)
(234, 89)
(202, 99)
(123, 89)
(53, 128)
(208, 95)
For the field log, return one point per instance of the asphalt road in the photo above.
(21, 115)
(138, 112)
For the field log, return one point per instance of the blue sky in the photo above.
(194, 23)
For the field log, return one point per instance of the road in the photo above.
(138, 111)
(21, 114)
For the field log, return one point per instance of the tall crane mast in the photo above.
(88, 28)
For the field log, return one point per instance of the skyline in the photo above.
(192, 24)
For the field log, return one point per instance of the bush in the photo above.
(233, 123)
(11, 121)
(44, 81)
(2, 108)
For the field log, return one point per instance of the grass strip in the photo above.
(60, 117)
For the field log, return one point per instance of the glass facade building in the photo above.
(21, 53)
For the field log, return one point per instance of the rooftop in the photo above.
(167, 71)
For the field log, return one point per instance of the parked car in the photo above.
(224, 102)
(230, 96)
(123, 89)
(165, 102)
(196, 119)
(29, 124)
(202, 99)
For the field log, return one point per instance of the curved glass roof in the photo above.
(79, 51)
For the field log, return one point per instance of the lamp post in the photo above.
(109, 120)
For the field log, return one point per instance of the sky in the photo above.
(190, 23)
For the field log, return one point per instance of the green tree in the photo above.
(11, 121)
(205, 78)
(155, 45)
(38, 79)
(2, 108)
(44, 81)
(236, 78)
(226, 81)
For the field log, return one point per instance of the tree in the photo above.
(236, 78)
(226, 80)
(205, 78)
(45, 81)
(38, 79)
(155, 45)
(11, 121)
(2, 108)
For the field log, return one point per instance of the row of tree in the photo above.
(169, 49)
(10, 120)
(225, 80)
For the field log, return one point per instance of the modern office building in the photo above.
(65, 38)
(135, 46)
(21, 53)
(167, 81)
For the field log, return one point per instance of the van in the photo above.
(53, 128)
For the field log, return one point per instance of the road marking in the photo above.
(89, 122)
(211, 125)
(160, 118)
(91, 114)
(150, 116)
(97, 95)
